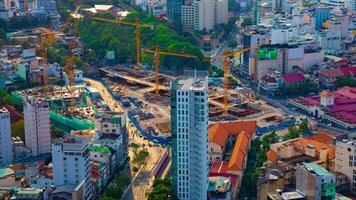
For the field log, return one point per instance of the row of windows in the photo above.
(182, 100)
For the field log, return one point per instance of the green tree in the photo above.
(246, 22)
(304, 126)
(18, 129)
(113, 192)
(5, 98)
(346, 81)
(269, 139)
(293, 132)
(55, 133)
(161, 189)
(232, 43)
(106, 198)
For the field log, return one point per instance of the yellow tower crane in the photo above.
(225, 58)
(156, 54)
(46, 40)
(137, 26)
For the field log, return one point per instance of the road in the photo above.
(105, 94)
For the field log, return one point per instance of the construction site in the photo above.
(136, 90)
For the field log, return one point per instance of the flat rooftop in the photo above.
(188, 83)
(313, 167)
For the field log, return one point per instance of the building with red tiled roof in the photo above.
(293, 78)
(272, 156)
(328, 77)
(223, 135)
(336, 109)
(238, 158)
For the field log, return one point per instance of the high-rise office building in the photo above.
(6, 154)
(71, 163)
(204, 14)
(189, 118)
(37, 126)
(321, 14)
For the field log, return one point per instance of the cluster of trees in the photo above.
(255, 160)
(346, 81)
(247, 22)
(5, 98)
(216, 72)
(28, 21)
(288, 89)
(161, 189)
(232, 80)
(105, 37)
(257, 156)
(57, 53)
(56, 133)
(116, 189)
(296, 131)
(18, 129)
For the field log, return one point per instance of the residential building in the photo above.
(351, 5)
(346, 161)
(111, 131)
(28, 194)
(102, 167)
(189, 119)
(6, 153)
(330, 41)
(339, 24)
(315, 182)
(333, 3)
(37, 125)
(282, 35)
(7, 177)
(319, 148)
(71, 165)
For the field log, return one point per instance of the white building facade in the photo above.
(189, 111)
(204, 14)
(37, 126)
(345, 161)
(71, 164)
(6, 154)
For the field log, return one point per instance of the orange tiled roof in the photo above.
(326, 93)
(240, 150)
(218, 133)
(304, 142)
(322, 137)
(272, 156)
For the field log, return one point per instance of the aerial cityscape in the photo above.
(177, 99)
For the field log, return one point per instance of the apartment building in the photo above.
(189, 114)
(37, 125)
(71, 165)
(6, 154)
